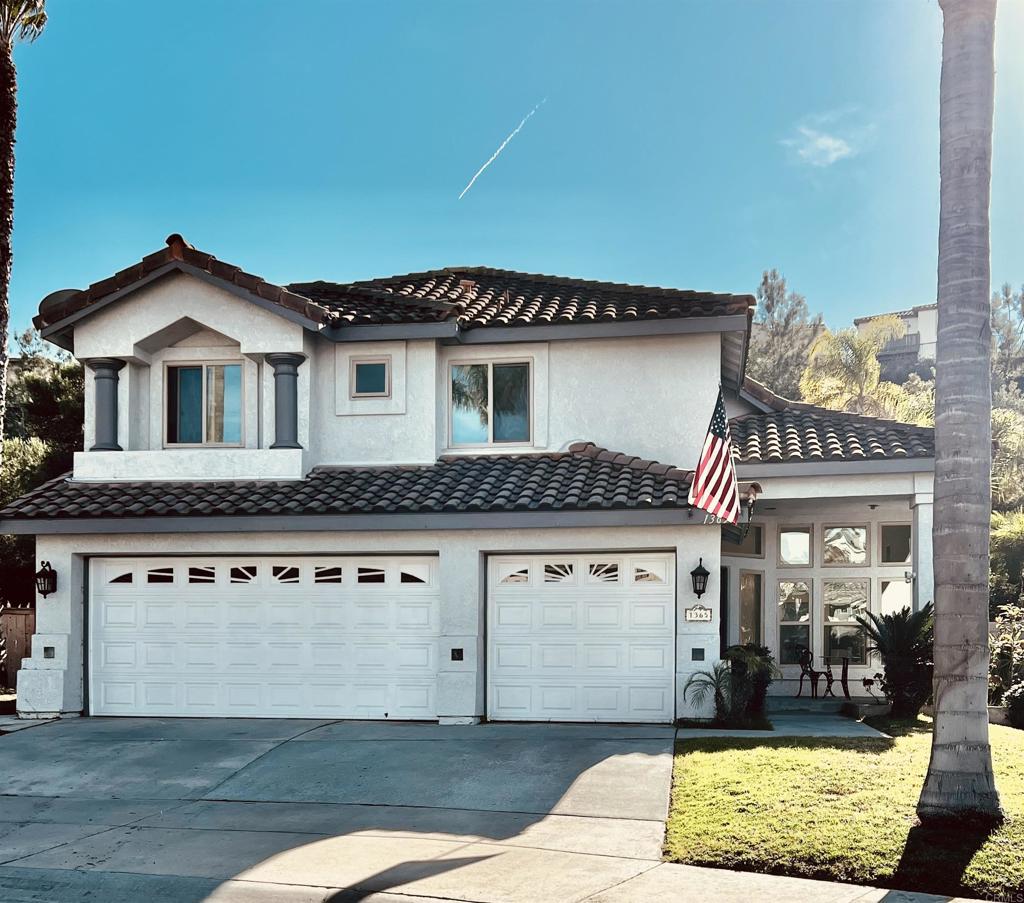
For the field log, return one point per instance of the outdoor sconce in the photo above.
(46, 580)
(700, 575)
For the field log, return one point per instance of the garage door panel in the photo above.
(270, 637)
(581, 638)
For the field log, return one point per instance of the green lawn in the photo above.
(841, 810)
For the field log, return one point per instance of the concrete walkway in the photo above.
(795, 724)
(183, 811)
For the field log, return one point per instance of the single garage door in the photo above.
(273, 637)
(581, 638)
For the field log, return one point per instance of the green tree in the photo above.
(1007, 459)
(19, 20)
(782, 337)
(960, 785)
(843, 372)
(21, 467)
(1007, 338)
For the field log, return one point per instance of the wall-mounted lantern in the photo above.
(700, 575)
(46, 580)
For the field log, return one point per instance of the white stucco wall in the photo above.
(54, 685)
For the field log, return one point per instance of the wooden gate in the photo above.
(16, 627)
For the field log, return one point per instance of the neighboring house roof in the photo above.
(793, 432)
(584, 478)
(467, 297)
(909, 312)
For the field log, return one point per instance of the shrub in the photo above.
(904, 641)
(1013, 699)
(753, 670)
(1006, 662)
(716, 683)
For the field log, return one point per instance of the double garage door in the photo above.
(569, 637)
(275, 637)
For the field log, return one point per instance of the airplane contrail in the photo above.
(501, 147)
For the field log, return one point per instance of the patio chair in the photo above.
(807, 670)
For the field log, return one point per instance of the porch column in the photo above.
(286, 399)
(924, 584)
(105, 381)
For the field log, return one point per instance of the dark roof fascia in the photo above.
(55, 331)
(675, 326)
(751, 470)
(475, 520)
(755, 402)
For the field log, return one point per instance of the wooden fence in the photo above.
(16, 628)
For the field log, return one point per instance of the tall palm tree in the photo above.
(19, 20)
(960, 784)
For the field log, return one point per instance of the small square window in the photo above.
(371, 377)
(751, 546)
(845, 545)
(795, 546)
(895, 543)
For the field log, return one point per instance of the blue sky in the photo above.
(681, 143)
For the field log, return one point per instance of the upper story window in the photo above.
(490, 403)
(370, 377)
(204, 404)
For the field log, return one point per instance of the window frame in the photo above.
(353, 363)
(826, 622)
(780, 623)
(866, 563)
(203, 364)
(907, 565)
(733, 551)
(779, 529)
(490, 364)
(762, 632)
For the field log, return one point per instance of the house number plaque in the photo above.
(698, 613)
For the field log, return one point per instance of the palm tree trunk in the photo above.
(8, 120)
(960, 784)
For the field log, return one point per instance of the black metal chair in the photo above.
(807, 671)
(844, 678)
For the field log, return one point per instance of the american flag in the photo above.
(714, 486)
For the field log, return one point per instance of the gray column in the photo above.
(924, 581)
(105, 370)
(286, 399)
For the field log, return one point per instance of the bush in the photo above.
(1013, 699)
(753, 670)
(738, 685)
(904, 641)
(1006, 662)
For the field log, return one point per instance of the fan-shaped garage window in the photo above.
(246, 573)
(328, 574)
(126, 577)
(160, 575)
(371, 575)
(202, 574)
(559, 573)
(285, 573)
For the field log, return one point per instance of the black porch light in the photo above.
(46, 580)
(700, 575)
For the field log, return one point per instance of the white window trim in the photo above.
(866, 563)
(203, 364)
(490, 364)
(826, 623)
(354, 362)
(906, 565)
(782, 528)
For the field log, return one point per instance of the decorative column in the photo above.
(921, 560)
(105, 379)
(286, 399)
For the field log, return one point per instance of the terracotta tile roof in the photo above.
(586, 477)
(797, 431)
(63, 304)
(897, 313)
(469, 296)
(482, 296)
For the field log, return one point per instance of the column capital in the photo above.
(105, 367)
(285, 363)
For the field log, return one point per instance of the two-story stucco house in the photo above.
(436, 496)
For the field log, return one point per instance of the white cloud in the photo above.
(826, 138)
(820, 148)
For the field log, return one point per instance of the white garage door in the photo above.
(581, 638)
(264, 637)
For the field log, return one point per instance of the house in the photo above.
(438, 496)
(914, 351)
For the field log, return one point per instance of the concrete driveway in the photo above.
(190, 810)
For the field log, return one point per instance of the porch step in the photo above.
(776, 705)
